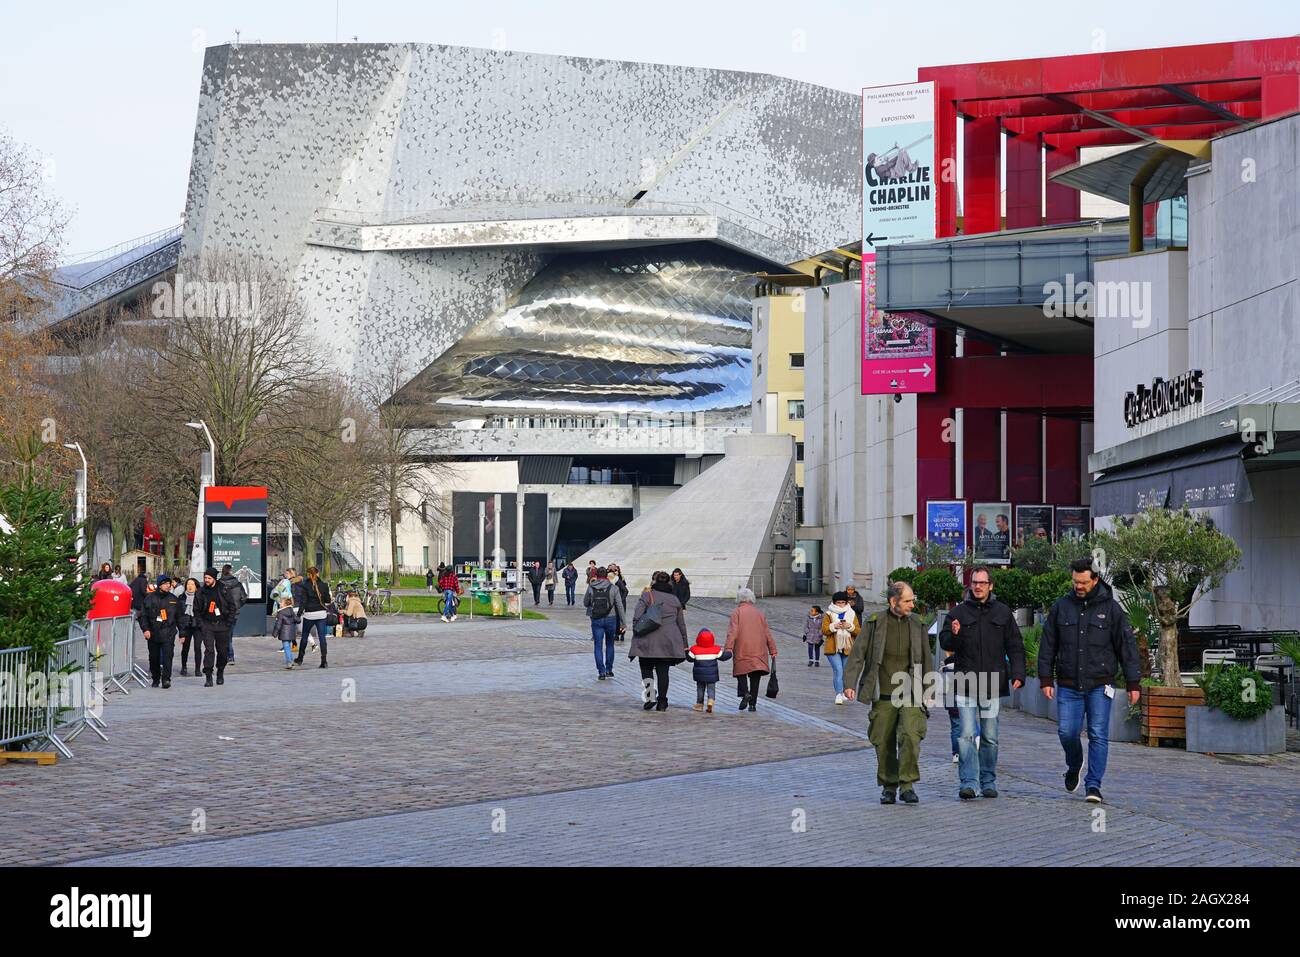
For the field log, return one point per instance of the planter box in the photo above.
(1122, 727)
(1032, 700)
(1163, 713)
(1023, 616)
(1210, 731)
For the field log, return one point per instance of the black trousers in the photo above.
(659, 668)
(190, 640)
(537, 593)
(747, 685)
(550, 594)
(161, 653)
(216, 643)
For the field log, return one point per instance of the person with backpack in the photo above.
(605, 608)
(235, 589)
(315, 610)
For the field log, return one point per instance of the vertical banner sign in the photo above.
(898, 206)
(945, 524)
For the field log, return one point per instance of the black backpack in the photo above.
(235, 594)
(602, 605)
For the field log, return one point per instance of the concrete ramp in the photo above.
(722, 528)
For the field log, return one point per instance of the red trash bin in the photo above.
(109, 599)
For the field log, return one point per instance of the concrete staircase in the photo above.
(722, 529)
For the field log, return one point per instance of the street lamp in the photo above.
(83, 483)
(198, 556)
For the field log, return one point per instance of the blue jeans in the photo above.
(569, 596)
(1071, 706)
(288, 651)
(981, 720)
(836, 662)
(449, 602)
(321, 631)
(603, 631)
(954, 729)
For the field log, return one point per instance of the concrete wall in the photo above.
(860, 451)
(1135, 348)
(1244, 232)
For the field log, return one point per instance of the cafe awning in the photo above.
(1200, 478)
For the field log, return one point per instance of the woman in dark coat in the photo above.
(681, 587)
(187, 626)
(620, 582)
(661, 648)
(856, 601)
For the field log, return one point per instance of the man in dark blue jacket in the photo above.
(1086, 637)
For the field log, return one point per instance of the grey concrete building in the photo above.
(1225, 441)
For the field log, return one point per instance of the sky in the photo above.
(106, 92)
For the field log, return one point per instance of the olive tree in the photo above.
(1172, 559)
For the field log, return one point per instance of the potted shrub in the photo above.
(1238, 716)
(1045, 589)
(1011, 586)
(936, 589)
(1029, 698)
(1168, 560)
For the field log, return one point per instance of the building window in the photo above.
(401, 559)
(796, 360)
(798, 451)
(798, 504)
(426, 556)
(795, 410)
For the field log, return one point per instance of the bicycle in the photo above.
(382, 602)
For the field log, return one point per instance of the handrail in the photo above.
(111, 256)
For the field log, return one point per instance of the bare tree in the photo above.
(408, 465)
(235, 355)
(328, 474)
(31, 229)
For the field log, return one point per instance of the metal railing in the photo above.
(66, 699)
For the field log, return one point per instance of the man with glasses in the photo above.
(982, 634)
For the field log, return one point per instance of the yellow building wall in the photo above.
(784, 335)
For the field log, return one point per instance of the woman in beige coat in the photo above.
(749, 640)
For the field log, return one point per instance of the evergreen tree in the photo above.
(41, 580)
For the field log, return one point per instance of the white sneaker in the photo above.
(839, 699)
(454, 617)
(446, 619)
(955, 759)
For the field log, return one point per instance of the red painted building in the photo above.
(1020, 120)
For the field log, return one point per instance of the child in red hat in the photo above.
(706, 655)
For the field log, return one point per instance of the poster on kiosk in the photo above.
(235, 516)
(899, 185)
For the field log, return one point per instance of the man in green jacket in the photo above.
(887, 669)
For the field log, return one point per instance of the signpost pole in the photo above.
(365, 545)
(519, 545)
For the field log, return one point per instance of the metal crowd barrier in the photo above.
(112, 642)
(66, 704)
(18, 720)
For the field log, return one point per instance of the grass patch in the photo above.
(428, 604)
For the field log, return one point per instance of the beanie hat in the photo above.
(212, 572)
(163, 578)
(840, 596)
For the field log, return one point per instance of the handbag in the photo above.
(773, 689)
(651, 619)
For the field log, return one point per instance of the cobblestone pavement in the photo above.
(491, 742)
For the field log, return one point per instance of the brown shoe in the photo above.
(709, 707)
(697, 707)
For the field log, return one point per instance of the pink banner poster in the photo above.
(897, 347)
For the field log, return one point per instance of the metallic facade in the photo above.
(462, 212)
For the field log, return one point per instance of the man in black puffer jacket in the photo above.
(983, 635)
(1086, 637)
(215, 610)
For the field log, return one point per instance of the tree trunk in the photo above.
(118, 532)
(308, 549)
(393, 517)
(326, 536)
(1167, 614)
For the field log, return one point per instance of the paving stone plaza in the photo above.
(492, 743)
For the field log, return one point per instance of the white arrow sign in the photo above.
(924, 370)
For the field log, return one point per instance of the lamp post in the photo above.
(83, 483)
(198, 556)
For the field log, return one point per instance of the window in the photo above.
(796, 360)
(795, 410)
(426, 557)
(798, 503)
(401, 559)
(798, 451)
